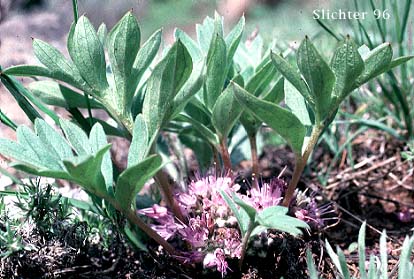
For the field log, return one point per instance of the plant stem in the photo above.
(133, 218)
(245, 243)
(255, 161)
(300, 164)
(165, 187)
(225, 154)
(75, 10)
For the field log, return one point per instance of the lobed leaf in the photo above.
(76, 137)
(131, 181)
(275, 217)
(88, 55)
(57, 63)
(86, 171)
(53, 141)
(123, 45)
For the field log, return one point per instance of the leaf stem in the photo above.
(255, 160)
(225, 154)
(245, 243)
(300, 163)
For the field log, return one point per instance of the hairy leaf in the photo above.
(88, 55)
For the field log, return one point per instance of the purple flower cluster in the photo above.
(210, 234)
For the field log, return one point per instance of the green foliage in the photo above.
(280, 119)
(113, 86)
(378, 265)
(274, 217)
(388, 24)
(323, 88)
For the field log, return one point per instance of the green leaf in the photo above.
(58, 174)
(97, 140)
(261, 79)
(144, 58)
(281, 120)
(313, 273)
(88, 55)
(30, 70)
(7, 121)
(165, 82)
(226, 112)
(233, 39)
(201, 128)
(23, 103)
(242, 218)
(398, 61)
(64, 69)
(318, 76)
(189, 43)
(48, 158)
(18, 152)
(275, 217)
(131, 181)
(190, 88)
(405, 269)
(384, 255)
(86, 171)
(274, 95)
(347, 65)
(277, 93)
(216, 71)
(76, 137)
(250, 211)
(333, 256)
(361, 251)
(54, 141)
(102, 33)
(16, 85)
(292, 76)
(123, 45)
(205, 33)
(55, 94)
(377, 62)
(296, 103)
(139, 145)
(342, 262)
